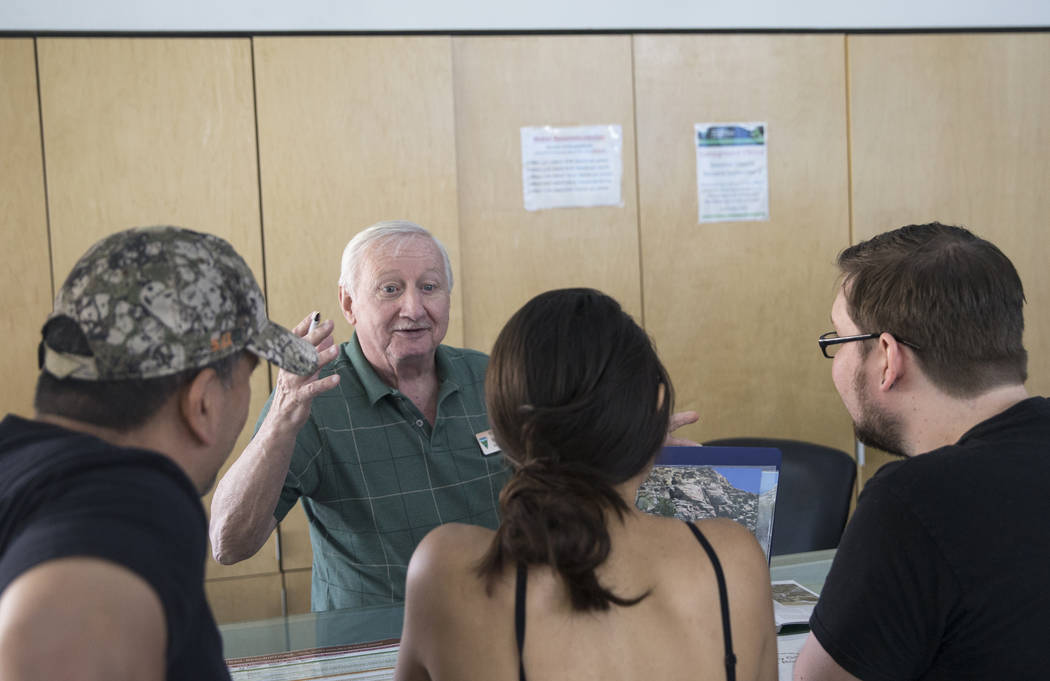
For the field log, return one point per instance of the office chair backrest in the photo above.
(816, 486)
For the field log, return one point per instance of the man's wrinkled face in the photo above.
(400, 306)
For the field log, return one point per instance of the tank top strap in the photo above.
(521, 582)
(723, 597)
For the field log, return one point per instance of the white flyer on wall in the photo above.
(571, 167)
(732, 176)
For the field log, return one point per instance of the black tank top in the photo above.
(730, 659)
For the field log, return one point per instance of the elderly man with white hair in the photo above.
(384, 444)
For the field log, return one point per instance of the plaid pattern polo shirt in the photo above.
(374, 477)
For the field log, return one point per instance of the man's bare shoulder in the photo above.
(82, 618)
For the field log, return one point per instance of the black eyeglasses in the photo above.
(829, 342)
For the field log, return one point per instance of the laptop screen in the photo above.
(693, 483)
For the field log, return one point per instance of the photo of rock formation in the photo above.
(697, 492)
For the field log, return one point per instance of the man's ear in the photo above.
(199, 405)
(894, 364)
(346, 304)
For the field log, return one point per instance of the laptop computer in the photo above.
(693, 483)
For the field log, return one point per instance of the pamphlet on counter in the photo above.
(792, 604)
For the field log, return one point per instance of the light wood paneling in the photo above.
(238, 599)
(509, 254)
(352, 130)
(265, 558)
(357, 129)
(956, 128)
(296, 547)
(297, 590)
(735, 308)
(26, 275)
(149, 131)
(153, 131)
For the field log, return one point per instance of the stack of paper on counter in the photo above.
(792, 603)
(788, 647)
(359, 662)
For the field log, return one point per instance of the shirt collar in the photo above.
(374, 386)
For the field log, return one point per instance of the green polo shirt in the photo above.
(374, 477)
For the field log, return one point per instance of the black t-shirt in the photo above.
(944, 569)
(68, 494)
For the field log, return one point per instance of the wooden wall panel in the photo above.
(956, 128)
(296, 548)
(356, 129)
(735, 308)
(153, 131)
(26, 275)
(245, 598)
(352, 130)
(509, 254)
(297, 584)
(149, 131)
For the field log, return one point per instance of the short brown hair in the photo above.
(951, 294)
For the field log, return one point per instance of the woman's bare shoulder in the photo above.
(450, 547)
(671, 542)
(723, 527)
(444, 599)
(719, 531)
(458, 535)
(735, 545)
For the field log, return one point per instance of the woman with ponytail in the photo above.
(580, 404)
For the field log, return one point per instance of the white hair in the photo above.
(388, 230)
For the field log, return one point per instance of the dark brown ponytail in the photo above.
(575, 399)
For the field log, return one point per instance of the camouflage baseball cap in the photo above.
(155, 301)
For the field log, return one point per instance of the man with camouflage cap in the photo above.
(143, 391)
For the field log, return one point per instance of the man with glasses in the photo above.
(944, 570)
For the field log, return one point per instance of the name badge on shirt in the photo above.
(487, 442)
